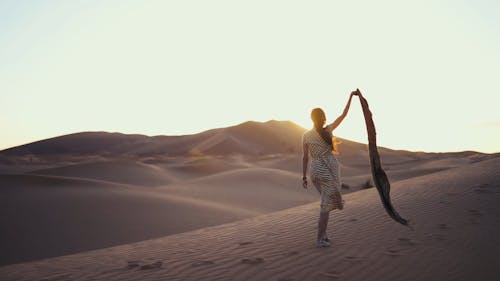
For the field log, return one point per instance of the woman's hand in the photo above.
(357, 93)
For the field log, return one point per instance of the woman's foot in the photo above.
(322, 244)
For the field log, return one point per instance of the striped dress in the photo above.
(324, 170)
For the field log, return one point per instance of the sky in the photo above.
(429, 69)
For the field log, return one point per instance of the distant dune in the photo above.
(92, 190)
(249, 138)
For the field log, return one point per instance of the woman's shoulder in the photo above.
(329, 127)
(307, 134)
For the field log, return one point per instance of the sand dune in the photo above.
(102, 200)
(195, 167)
(454, 214)
(82, 207)
(92, 190)
(249, 138)
(129, 172)
(255, 189)
(52, 216)
(80, 143)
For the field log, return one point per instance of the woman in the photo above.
(325, 172)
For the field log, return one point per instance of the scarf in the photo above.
(378, 174)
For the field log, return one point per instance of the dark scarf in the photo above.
(378, 174)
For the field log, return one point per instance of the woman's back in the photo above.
(317, 145)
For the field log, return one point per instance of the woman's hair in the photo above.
(318, 117)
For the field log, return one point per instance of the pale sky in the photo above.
(429, 69)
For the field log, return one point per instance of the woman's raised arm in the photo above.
(339, 119)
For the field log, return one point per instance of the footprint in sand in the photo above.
(475, 213)
(57, 278)
(353, 219)
(132, 264)
(292, 253)
(436, 237)
(407, 241)
(154, 265)
(330, 274)
(252, 260)
(200, 263)
(484, 189)
(286, 279)
(245, 243)
(404, 243)
(353, 258)
(392, 252)
(443, 226)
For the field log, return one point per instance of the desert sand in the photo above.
(234, 209)
(454, 214)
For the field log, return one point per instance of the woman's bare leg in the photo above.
(322, 224)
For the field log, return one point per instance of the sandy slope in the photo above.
(91, 205)
(129, 172)
(455, 214)
(91, 190)
(51, 216)
(254, 189)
